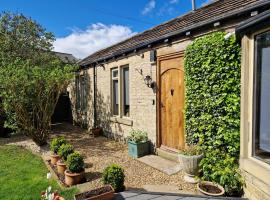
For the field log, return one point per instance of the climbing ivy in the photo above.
(212, 113)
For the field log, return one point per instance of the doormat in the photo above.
(166, 166)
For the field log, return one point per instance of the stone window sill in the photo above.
(124, 121)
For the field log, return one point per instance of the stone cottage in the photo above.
(139, 83)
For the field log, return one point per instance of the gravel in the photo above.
(100, 152)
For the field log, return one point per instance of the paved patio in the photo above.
(133, 195)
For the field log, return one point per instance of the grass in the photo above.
(23, 175)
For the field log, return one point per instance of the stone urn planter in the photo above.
(190, 164)
(61, 167)
(74, 178)
(210, 188)
(54, 158)
(189, 160)
(102, 193)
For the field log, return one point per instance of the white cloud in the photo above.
(149, 7)
(82, 43)
(173, 1)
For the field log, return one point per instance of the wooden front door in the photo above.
(171, 101)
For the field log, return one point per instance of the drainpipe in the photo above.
(95, 94)
(193, 5)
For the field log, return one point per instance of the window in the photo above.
(261, 132)
(115, 93)
(125, 91)
(120, 91)
(81, 92)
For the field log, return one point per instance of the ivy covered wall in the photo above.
(212, 114)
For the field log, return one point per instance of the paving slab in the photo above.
(166, 166)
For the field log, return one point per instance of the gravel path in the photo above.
(100, 152)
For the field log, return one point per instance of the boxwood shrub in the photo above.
(212, 107)
(65, 150)
(114, 175)
(56, 143)
(75, 162)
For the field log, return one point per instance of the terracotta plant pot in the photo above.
(190, 164)
(61, 167)
(54, 158)
(210, 188)
(103, 193)
(96, 132)
(74, 178)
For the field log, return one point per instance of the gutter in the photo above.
(244, 27)
(179, 32)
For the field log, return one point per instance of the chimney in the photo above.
(193, 5)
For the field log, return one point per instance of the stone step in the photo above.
(170, 155)
(164, 165)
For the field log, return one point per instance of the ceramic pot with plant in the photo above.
(75, 172)
(210, 188)
(114, 175)
(97, 131)
(56, 143)
(190, 159)
(138, 144)
(63, 152)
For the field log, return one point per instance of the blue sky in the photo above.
(82, 27)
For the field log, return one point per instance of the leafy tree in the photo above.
(22, 37)
(31, 76)
(32, 93)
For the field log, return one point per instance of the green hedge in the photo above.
(212, 114)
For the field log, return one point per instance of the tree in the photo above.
(32, 93)
(31, 76)
(22, 37)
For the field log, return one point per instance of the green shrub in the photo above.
(191, 150)
(65, 150)
(114, 176)
(212, 113)
(137, 136)
(56, 143)
(75, 163)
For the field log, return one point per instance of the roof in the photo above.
(66, 57)
(253, 24)
(207, 14)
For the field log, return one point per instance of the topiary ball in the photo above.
(65, 150)
(56, 143)
(75, 163)
(114, 175)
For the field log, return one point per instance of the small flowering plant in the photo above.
(50, 195)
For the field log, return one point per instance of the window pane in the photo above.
(126, 91)
(115, 97)
(115, 73)
(262, 136)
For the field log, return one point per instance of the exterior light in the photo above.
(149, 82)
(188, 33)
(216, 24)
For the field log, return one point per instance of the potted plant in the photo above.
(210, 188)
(55, 145)
(138, 144)
(103, 193)
(63, 152)
(75, 172)
(114, 175)
(96, 131)
(189, 159)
